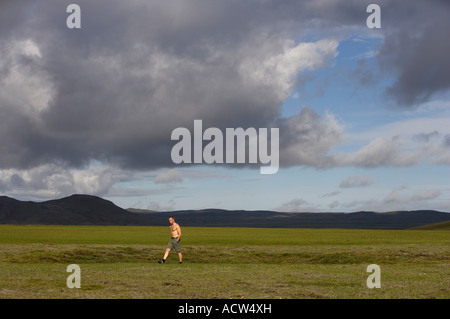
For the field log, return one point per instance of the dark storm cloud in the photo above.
(416, 49)
(424, 66)
(115, 89)
(446, 141)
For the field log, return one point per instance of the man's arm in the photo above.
(179, 232)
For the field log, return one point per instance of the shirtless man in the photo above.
(174, 243)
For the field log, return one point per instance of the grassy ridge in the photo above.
(120, 262)
(436, 226)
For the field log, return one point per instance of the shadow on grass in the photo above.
(224, 255)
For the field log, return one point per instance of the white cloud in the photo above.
(443, 159)
(399, 199)
(400, 143)
(24, 86)
(50, 181)
(279, 70)
(306, 138)
(406, 129)
(158, 207)
(395, 197)
(169, 176)
(296, 205)
(335, 193)
(425, 195)
(356, 181)
(334, 204)
(379, 152)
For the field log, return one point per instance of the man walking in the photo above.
(174, 243)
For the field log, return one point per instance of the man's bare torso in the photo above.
(174, 230)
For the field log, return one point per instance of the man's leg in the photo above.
(166, 253)
(165, 256)
(177, 248)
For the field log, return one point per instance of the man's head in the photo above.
(171, 220)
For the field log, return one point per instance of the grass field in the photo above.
(120, 262)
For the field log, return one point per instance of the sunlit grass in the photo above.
(120, 262)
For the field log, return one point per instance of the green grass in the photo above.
(120, 262)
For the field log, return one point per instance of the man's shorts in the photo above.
(174, 244)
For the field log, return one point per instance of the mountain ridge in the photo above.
(80, 209)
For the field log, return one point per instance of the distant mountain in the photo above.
(92, 210)
(73, 210)
(362, 220)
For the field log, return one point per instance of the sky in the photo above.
(363, 113)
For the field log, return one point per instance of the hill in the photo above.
(72, 210)
(92, 210)
(435, 226)
(271, 219)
